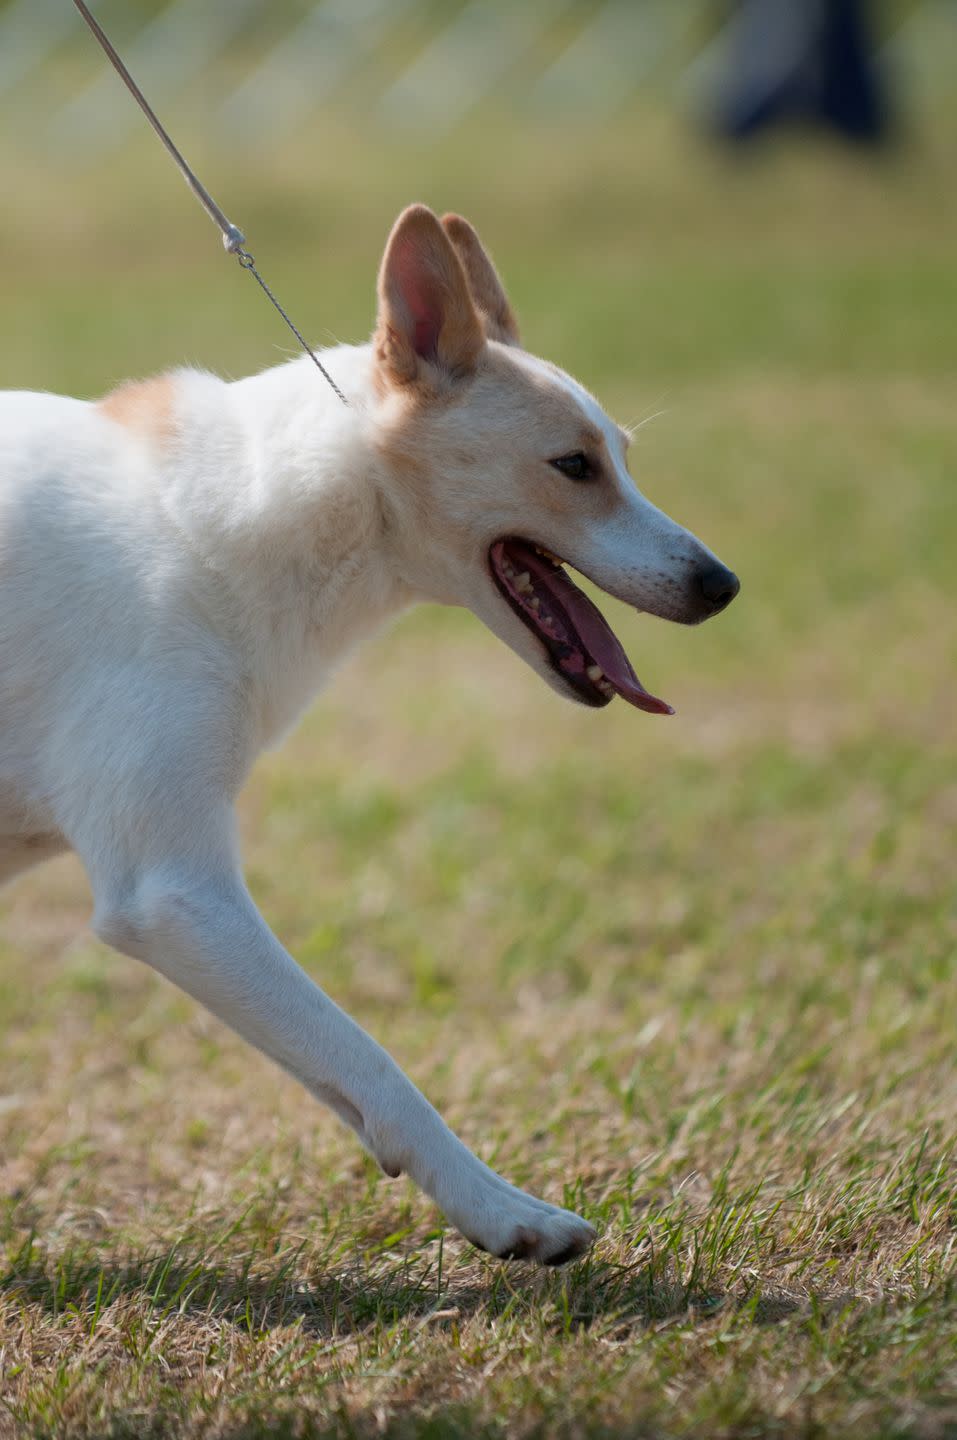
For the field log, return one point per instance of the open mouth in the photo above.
(579, 642)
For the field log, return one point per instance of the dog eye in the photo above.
(575, 466)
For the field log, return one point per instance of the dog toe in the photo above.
(575, 1248)
(524, 1246)
(570, 1252)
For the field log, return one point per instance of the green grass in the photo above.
(695, 977)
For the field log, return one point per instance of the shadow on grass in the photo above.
(383, 1291)
(279, 1420)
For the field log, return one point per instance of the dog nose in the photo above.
(718, 585)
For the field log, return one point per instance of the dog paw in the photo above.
(516, 1226)
(550, 1243)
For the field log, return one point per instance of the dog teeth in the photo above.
(606, 688)
(534, 603)
(595, 673)
(523, 583)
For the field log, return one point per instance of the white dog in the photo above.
(184, 563)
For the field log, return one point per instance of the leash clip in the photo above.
(233, 239)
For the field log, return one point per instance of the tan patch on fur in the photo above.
(145, 406)
(504, 424)
(552, 424)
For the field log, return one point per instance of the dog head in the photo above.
(501, 467)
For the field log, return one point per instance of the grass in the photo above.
(694, 977)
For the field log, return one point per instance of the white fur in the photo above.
(172, 597)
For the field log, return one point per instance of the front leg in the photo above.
(206, 935)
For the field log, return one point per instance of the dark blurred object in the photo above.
(805, 61)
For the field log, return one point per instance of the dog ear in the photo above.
(427, 324)
(487, 289)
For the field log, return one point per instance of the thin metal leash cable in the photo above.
(234, 241)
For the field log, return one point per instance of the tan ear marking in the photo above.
(145, 406)
(487, 289)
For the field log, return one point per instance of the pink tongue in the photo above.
(594, 631)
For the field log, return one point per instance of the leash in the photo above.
(234, 241)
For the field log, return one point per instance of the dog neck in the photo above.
(282, 493)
